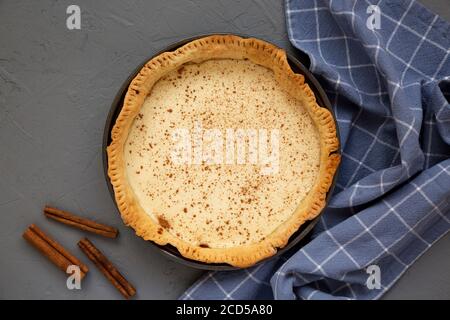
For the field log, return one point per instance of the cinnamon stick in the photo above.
(52, 249)
(107, 268)
(79, 222)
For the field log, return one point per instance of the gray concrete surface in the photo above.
(56, 87)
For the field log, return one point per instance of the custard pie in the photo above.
(221, 150)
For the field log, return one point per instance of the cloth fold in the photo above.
(389, 85)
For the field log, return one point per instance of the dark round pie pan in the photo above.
(169, 250)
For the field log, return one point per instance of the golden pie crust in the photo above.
(154, 226)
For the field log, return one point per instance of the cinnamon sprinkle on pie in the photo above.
(243, 144)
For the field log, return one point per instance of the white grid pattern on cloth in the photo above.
(368, 228)
(389, 207)
(410, 127)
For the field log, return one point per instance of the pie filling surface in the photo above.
(217, 204)
(222, 151)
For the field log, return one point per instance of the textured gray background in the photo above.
(56, 87)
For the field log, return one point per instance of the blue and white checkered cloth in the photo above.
(390, 91)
